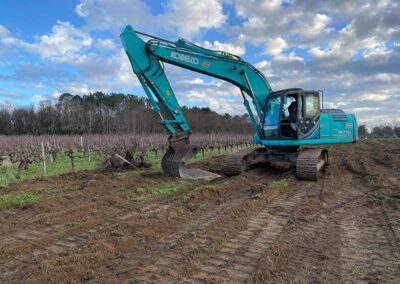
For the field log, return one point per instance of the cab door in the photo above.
(308, 114)
(271, 119)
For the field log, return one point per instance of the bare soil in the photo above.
(261, 227)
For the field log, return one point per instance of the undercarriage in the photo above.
(308, 162)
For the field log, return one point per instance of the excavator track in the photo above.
(310, 162)
(175, 160)
(237, 163)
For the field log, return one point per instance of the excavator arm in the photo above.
(147, 60)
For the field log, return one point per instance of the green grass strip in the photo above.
(161, 189)
(18, 199)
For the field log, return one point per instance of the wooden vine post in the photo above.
(43, 158)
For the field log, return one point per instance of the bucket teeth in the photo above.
(175, 159)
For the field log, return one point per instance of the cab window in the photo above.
(310, 109)
(311, 106)
(271, 123)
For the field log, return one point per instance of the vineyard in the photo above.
(39, 156)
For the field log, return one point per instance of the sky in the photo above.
(349, 49)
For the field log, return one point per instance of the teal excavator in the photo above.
(289, 124)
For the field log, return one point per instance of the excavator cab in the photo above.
(291, 114)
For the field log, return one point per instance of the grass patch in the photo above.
(18, 199)
(161, 189)
(62, 165)
(281, 184)
(352, 274)
(186, 201)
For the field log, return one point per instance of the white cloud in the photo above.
(7, 40)
(276, 46)
(374, 97)
(55, 95)
(73, 88)
(65, 44)
(265, 67)
(216, 103)
(9, 94)
(190, 16)
(195, 81)
(183, 17)
(317, 27)
(39, 85)
(105, 44)
(112, 15)
(125, 76)
(38, 99)
(70, 45)
(226, 47)
(317, 52)
(6, 37)
(364, 109)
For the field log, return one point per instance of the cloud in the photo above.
(224, 104)
(65, 44)
(10, 94)
(226, 47)
(7, 40)
(190, 16)
(39, 99)
(71, 56)
(342, 47)
(105, 44)
(112, 15)
(183, 17)
(44, 71)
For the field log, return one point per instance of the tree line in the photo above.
(384, 131)
(101, 113)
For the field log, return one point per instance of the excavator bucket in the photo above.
(176, 158)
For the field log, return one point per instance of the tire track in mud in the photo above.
(47, 242)
(162, 251)
(236, 261)
(17, 238)
(164, 264)
(367, 253)
(77, 239)
(308, 249)
(370, 246)
(74, 235)
(36, 237)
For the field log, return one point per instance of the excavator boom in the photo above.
(146, 59)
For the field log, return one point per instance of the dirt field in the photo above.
(261, 227)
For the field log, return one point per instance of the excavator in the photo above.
(289, 124)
